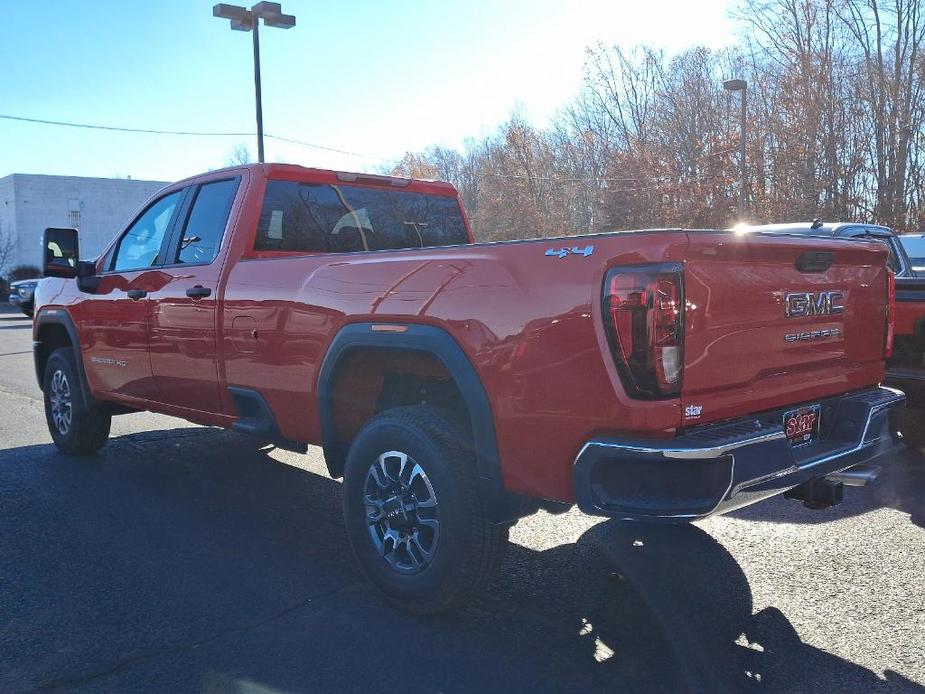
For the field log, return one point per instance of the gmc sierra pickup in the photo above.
(657, 375)
(905, 367)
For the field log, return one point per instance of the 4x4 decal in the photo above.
(574, 250)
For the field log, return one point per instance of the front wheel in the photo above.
(75, 428)
(413, 513)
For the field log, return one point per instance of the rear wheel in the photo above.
(413, 513)
(75, 428)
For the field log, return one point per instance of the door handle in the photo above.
(136, 294)
(198, 292)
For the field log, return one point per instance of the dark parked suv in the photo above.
(22, 295)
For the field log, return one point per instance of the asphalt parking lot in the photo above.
(185, 558)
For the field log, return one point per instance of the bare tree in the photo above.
(7, 249)
(835, 129)
(239, 155)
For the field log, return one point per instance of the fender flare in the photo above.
(439, 343)
(57, 316)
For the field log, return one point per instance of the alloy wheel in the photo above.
(401, 512)
(61, 406)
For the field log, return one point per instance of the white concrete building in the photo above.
(98, 207)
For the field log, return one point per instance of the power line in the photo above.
(202, 133)
(120, 129)
(195, 133)
(331, 149)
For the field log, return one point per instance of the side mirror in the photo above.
(87, 279)
(61, 252)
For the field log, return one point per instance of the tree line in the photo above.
(834, 130)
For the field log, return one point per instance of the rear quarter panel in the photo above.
(529, 323)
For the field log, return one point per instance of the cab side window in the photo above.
(205, 226)
(141, 243)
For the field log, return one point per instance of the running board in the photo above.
(256, 419)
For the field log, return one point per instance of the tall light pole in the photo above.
(740, 86)
(243, 19)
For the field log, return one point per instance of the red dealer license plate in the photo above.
(802, 426)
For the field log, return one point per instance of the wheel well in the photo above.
(370, 380)
(439, 373)
(51, 337)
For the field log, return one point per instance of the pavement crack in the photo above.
(127, 661)
(16, 394)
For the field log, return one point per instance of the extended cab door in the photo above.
(114, 319)
(184, 346)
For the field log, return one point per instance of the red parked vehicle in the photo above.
(659, 375)
(906, 367)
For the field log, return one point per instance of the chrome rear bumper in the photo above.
(717, 468)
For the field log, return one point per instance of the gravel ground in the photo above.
(188, 559)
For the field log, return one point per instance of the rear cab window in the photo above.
(342, 218)
(894, 260)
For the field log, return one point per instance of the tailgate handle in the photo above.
(815, 261)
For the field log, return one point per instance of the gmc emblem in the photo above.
(813, 304)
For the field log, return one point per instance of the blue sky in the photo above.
(376, 78)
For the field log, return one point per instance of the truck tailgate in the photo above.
(766, 326)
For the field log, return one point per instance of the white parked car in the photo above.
(915, 249)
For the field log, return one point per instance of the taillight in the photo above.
(890, 314)
(644, 317)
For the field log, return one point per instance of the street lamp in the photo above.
(243, 19)
(740, 86)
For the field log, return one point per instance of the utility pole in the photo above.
(257, 96)
(740, 86)
(243, 19)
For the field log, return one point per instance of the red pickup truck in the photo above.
(657, 375)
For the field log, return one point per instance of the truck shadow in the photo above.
(901, 485)
(190, 560)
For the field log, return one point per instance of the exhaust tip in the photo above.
(857, 476)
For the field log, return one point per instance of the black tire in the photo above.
(27, 311)
(467, 550)
(912, 426)
(75, 428)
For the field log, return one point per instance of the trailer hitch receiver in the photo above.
(818, 494)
